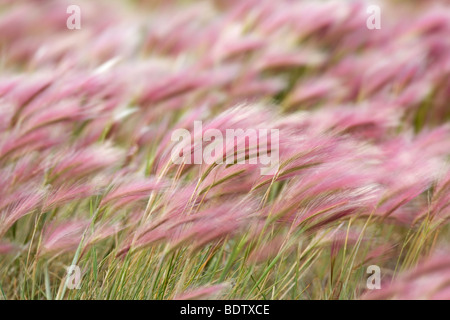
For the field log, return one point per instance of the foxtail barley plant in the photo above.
(90, 104)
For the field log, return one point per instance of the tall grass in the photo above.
(87, 180)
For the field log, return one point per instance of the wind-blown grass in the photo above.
(86, 176)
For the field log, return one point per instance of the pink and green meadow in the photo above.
(93, 205)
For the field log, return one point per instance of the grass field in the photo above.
(93, 206)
